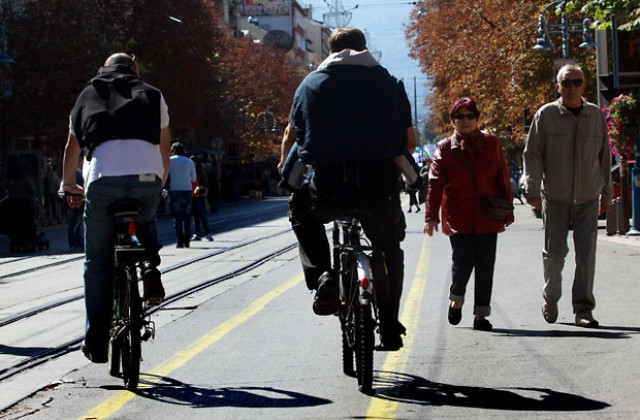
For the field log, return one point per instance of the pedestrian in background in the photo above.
(198, 205)
(182, 172)
(466, 166)
(75, 230)
(413, 198)
(21, 206)
(424, 174)
(567, 164)
(51, 199)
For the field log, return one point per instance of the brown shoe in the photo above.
(586, 321)
(550, 312)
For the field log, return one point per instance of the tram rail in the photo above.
(42, 308)
(73, 344)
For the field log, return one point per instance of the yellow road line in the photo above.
(116, 401)
(381, 408)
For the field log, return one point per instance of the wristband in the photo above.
(66, 186)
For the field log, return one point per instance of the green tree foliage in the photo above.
(604, 10)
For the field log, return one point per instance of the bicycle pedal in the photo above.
(149, 331)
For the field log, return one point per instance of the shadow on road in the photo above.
(171, 391)
(24, 351)
(412, 389)
(602, 332)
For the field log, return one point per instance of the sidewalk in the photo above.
(621, 239)
(57, 237)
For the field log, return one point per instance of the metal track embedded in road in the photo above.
(46, 307)
(72, 345)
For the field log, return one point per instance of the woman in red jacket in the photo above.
(467, 166)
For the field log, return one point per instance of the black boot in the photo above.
(326, 301)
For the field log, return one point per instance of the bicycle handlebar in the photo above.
(63, 194)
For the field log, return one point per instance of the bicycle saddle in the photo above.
(353, 214)
(127, 207)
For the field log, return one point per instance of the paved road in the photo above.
(254, 349)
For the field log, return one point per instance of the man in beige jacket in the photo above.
(567, 163)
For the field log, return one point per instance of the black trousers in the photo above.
(469, 252)
(384, 226)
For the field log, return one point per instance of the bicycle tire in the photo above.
(365, 342)
(131, 347)
(347, 355)
(115, 341)
(115, 347)
(347, 322)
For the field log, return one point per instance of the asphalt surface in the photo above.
(255, 349)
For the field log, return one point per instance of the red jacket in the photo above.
(452, 186)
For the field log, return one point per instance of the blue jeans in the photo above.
(199, 211)
(100, 240)
(75, 231)
(181, 210)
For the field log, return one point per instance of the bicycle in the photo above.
(129, 325)
(358, 311)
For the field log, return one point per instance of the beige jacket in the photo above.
(567, 158)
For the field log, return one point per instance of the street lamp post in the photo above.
(565, 28)
(267, 121)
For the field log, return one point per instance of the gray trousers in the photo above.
(584, 218)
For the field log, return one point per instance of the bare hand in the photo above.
(75, 196)
(429, 227)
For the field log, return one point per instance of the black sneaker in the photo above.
(391, 336)
(326, 301)
(153, 290)
(482, 324)
(94, 356)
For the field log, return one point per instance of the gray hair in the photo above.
(564, 69)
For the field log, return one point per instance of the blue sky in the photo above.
(385, 22)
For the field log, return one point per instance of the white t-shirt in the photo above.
(125, 157)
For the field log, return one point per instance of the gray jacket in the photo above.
(567, 158)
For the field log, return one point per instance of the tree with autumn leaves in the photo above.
(183, 47)
(260, 85)
(483, 49)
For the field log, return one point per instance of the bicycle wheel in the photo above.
(365, 341)
(131, 351)
(347, 321)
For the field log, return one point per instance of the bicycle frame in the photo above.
(128, 321)
(358, 310)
